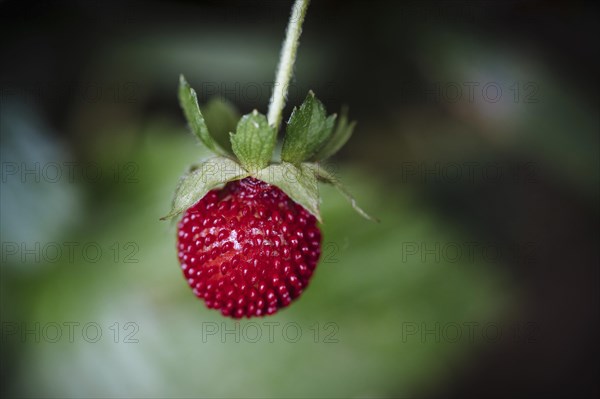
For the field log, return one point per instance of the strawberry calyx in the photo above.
(310, 138)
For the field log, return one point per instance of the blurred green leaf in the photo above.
(221, 118)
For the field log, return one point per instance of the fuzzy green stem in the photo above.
(286, 62)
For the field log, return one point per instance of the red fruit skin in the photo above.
(248, 249)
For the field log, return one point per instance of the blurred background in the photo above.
(476, 145)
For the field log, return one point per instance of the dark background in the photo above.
(95, 82)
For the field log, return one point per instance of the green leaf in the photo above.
(221, 117)
(327, 177)
(298, 182)
(307, 130)
(189, 103)
(253, 141)
(341, 135)
(199, 181)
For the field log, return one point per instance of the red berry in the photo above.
(248, 249)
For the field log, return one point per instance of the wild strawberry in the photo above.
(248, 241)
(248, 249)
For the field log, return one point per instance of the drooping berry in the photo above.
(248, 249)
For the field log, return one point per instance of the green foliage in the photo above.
(362, 297)
(221, 117)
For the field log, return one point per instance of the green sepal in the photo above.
(307, 130)
(253, 141)
(189, 103)
(202, 178)
(340, 136)
(326, 177)
(298, 182)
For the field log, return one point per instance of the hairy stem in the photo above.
(286, 62)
